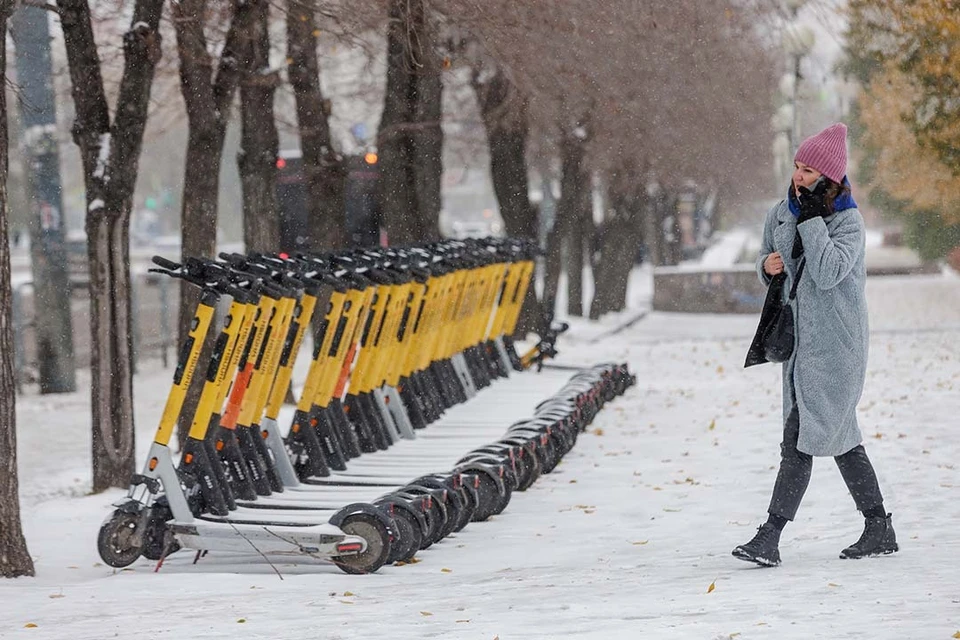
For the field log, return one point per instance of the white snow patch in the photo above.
(96, 205)
(726, 249)
(33, 135)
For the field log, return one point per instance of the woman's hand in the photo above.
(813, 204)
(773, 264)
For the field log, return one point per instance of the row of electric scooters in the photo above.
(399, 337)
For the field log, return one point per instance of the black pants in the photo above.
(796, 466)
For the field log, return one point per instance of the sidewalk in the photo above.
(623, 540)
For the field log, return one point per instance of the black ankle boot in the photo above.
(878, 538)
(763, 549)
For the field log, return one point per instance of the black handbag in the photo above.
(775, 335)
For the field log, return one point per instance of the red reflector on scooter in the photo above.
(153, 463)
(348, 547)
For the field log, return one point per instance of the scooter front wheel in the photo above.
(120, 541)
(378, 544)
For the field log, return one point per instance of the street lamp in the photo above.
(798, 40)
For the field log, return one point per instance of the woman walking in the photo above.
(816, 235)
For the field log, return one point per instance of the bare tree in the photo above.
(504, 113)
(323, 169)
(259, 149)
(568, 228)
(208, 96)
(410, 139)
(110, 152)
(621, 230)
(662, 84)
(14, 558)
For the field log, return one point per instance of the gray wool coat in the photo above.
(826, 372)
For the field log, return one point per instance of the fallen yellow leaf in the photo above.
(713, 585)
(956, 635)
(640, 542)
(29, 625)
(346, 601)
(713, 424)
(832, 584)
(241, 620)
(445, 570)
(347, 594)
(425, 613)
(598, 431)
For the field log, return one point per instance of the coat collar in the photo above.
(785, 231)
(783, 212)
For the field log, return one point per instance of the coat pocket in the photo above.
(841, 327)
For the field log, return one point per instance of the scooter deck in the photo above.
(322, 540)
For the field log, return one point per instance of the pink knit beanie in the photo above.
(826, 152)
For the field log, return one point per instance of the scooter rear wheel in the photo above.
(489, 498)
(411, 539)
(119, 542)
(378, 544)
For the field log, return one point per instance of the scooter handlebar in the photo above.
(162, 262)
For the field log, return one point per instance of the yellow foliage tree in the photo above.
(902, 167)
(921, 38)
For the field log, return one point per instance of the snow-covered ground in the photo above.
(629, 538)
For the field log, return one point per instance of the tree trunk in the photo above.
(428, 136)
(618, 243)
(15, 560)
(574, 267)
(410, 139)
(505, 119)
(553, 266)
(110, 156)
(323, 168)
(567, 234)
(257, 159)
(576, 181)
(41, 153)
(208, 99)
(652, 234)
